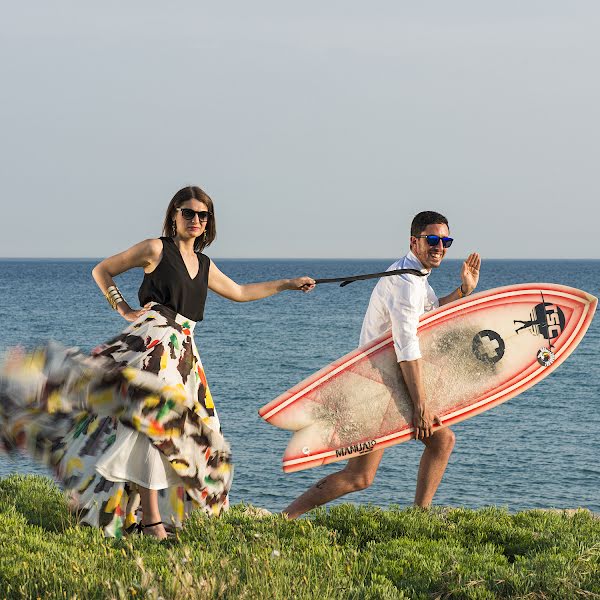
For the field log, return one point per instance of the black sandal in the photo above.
(170, 536)
(142, 527)
(139, 528)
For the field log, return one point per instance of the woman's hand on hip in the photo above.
(133, 315)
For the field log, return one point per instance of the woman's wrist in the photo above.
(123, 308)
(286, 284)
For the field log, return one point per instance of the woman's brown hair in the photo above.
(192, 192)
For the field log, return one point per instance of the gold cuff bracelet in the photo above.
(114, 296)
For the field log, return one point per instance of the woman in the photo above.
(136, 423)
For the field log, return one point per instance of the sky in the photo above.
(318, 128)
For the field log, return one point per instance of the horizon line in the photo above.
(99, 258)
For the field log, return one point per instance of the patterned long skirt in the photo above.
(147, 387)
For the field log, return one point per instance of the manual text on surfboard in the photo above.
(361, 448)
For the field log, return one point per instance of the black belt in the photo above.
(351, 278)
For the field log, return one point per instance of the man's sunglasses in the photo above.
(188, 214)
(434, 240)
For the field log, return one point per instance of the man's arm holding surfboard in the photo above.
(423, 418)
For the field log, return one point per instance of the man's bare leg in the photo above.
(438, 448)
(357, 475)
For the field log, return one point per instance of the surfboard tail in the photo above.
(309, 443)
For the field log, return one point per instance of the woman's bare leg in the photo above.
(151, 514)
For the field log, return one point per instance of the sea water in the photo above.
(538, 450)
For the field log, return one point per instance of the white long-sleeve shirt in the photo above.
(396, 303)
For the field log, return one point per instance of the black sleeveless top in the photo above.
(170, 283)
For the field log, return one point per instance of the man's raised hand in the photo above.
(470, 273)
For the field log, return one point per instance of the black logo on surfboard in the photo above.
(488, 346)
(547, 320)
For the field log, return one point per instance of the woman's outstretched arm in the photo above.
(146, 254)
(219, 283)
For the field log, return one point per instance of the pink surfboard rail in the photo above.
(478, 352)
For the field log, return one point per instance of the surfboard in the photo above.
(477, 352)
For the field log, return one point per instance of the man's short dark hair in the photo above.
(427, 217)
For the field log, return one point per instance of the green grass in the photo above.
(346, 552)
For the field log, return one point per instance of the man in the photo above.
(396, 303)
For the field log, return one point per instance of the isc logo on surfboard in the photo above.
(547, 320)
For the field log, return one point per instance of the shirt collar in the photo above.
(414, 263)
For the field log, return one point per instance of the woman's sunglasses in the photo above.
(188, 214)
(434, 240)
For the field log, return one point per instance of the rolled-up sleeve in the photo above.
(405, 306)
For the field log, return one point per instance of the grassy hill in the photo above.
(347, 552)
